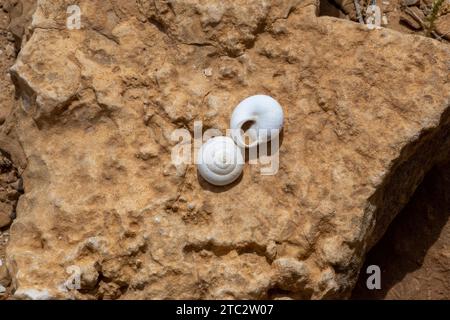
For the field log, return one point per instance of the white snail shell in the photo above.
(220, 161)
(264, 114)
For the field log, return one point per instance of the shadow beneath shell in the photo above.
(205, 185)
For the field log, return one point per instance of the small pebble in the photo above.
(207, 72)
(17, 185)
(10, 51)
(410, 21)
(10, 37)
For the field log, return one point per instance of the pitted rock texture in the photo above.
(367, 114)
(406, 16)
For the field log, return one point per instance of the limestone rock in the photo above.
(367, 114)
(410, 3)
(348, 6)
(5, 215)
(20, 13)
(410, 20)
(442, 26)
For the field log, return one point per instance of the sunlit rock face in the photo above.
(366, 116)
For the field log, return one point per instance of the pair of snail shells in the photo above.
(220, 160)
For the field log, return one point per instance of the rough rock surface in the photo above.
(443, 25)
(7, 56)
(10, 183)
(406, 16)
(367, 114)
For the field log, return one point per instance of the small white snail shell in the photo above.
(220, 161)
(264, 115)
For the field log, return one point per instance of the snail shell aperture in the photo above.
(264, 117)
(220, 161)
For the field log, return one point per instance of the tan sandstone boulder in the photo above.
(367, 114)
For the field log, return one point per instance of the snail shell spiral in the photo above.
(220, 161)
(264, 117)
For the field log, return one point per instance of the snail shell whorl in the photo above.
(220, 161)
(263, 113)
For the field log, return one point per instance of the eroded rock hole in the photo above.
(331, 8)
